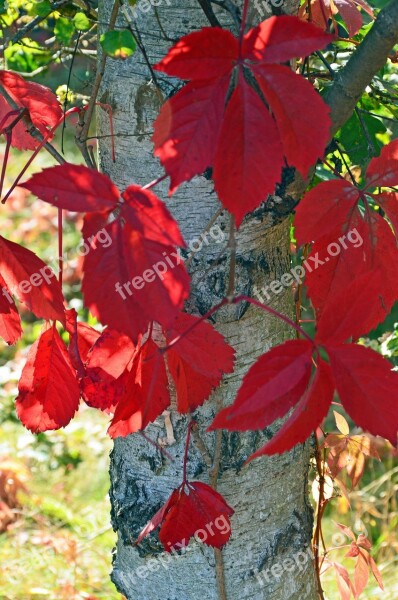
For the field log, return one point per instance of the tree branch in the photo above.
(370, 56)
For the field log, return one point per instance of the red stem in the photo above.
(60, 246)
(275, 313)
(243, 25)
(35, 153)
(5, 160)
(148, 186)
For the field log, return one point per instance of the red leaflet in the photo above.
(383, 170)
(239, 153)
(20, 138)
(278, 39)
(188, 138)
(325, 211)
(188, 127)
(42, 105)
(388, 201)
(82, 338)
(195, 370)
(149, 216)
(367, 387)
(48, 390)
(10, 322)
(105, 364)
(134, 280)
(193, 510)
(74, 187)
(206, 54)
(295, 122)
(146, 395)
(323, 10)
(308, 414)
(370, 266)
(350, 253)
(31, 281)
(274, 384)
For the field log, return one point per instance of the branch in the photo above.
(370, 56)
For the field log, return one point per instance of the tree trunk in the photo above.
(273, 517)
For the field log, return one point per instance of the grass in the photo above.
(60, 546)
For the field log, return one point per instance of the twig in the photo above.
(208, 10)
(85, 121)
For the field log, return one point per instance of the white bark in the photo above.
(273, 519)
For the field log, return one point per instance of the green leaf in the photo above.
(118, 44)
(41, 8)
(353, 137)
(81, 21)
(64, 29)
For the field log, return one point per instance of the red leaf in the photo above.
(149, 216)
(193, 509)
(361, 575)
(376, 572)
(195, 370)
(105, 364)
(323, 10)
(346, 530)
(31, 281)
(48, 391)
(42, 105)
(188, 138)
(82, 338)
(308, 414)
(295, 120)
(278, 39)
(74, 187)
(146, 395)
(388, 201)
(206, 54)
(325, 210)
(272, 386)
(10, 322)
(187, 129)
(247, 123)
(134, 280)
(367, 387)
(343, 581)
(20, 138)
(158, 518)
(335, 287)
(383, 170)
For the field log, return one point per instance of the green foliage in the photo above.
(118, 44)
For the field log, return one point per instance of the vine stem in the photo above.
(275, 313)
(84, 125)
(60, 245)
(319, 514)
(243, 24)
(184, 472)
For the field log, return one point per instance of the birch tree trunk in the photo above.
(269, 552)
